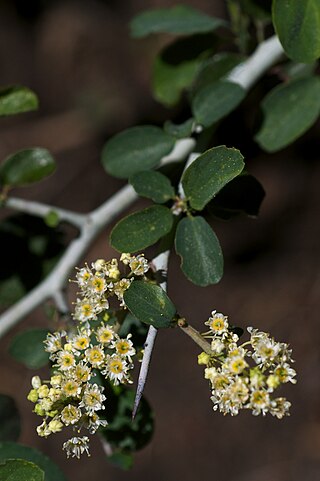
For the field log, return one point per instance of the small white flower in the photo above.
(76, 446)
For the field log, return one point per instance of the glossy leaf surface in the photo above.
(135, 149)
(200, 251)
(289, 110)
(20, 470)
(141, 229)
(181, 19)
(153, 185)
(211, 171)
(215, 101)
(27, 347)
(26, 166)
(297, 23)
(150, 304)
(12, 450)
(16, 100)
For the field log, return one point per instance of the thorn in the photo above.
(151, 336)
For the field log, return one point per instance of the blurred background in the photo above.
(92, 81)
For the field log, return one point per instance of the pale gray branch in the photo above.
(90, 227)
(42, 210)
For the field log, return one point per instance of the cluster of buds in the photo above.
(102, 281)
(245, 376)
(71, 398)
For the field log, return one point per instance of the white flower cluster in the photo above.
(70, 397)
(245, 376)
(102, 281)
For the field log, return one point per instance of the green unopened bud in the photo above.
(39, 410)
(203, 358)
(33, 396)
(52, 414)
(43, 391)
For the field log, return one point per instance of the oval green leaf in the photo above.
(169, 80)
(181, 19)
(206, 176)
(9, 419)
(141, 229)
(297, 23)
(153, 185)
(20, 470)
(27, 347)
(177, 65)
(26, 166)
(200, 251)
(150, 304)
(136, 149)
(15, 100)
(289, 110)
(13, 450)
(214, 69)
(215, 101)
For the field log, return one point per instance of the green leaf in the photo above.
(150, 304)
(244, 194)
(179, 131)
(15, 100)
(206, 176)
(200, 251)
(170, 80)
(153, 185)
(141, 229)
(9, 419)
(13, 450)
(214, 69)
(27, 347)
(136, 149)
(289, 110)
(125, 434)
(176, 67)
(26, 166)
(20, 470)
(297, 23)
(179, 20)
(215, 101)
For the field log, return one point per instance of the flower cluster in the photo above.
(71, 397)
(245, 376)
(102, 281)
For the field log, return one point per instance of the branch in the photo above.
(266, 54)
(245, 74)
(90, 228)
(42, 210)
(161, 264)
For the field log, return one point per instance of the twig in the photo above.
(195, 336)
(42, 210)
(92, 225)
(245, 74)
